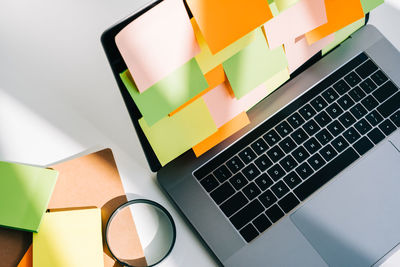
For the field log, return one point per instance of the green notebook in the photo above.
(25, 192)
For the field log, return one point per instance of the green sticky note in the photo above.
(342, 35)
(254, 65)
(25, 192)
(274, 9)
(284, 4)
(170, 93)
(368, 5)
(172, 136)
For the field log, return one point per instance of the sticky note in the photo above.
(208, 61)
(172, 136)
(225, 21)
(274, 9)
(368, 5)
(168, 94)
(342, 35)
(297, 20)
(157, 43)
(284, 4)
(222, 133)
(299, 51)
(24, 194)
(253, 65)
(26, 260)
(213, 77)
(224, 107)
(340, 13)
(69, 239)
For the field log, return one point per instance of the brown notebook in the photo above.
(13, 245)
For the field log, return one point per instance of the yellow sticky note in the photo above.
(172, 136)
(284, 4)
(69, 239)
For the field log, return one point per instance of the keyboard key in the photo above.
(363, 145)
(307, 112)
(264, 182)
(287, 145)
(259, 146)
(366, 69)
(251, 191)
(328, 152)
(385, 91)
(288, 163)
(249, 233)
(209, 183)
(247, 155)
(340, 144)
(379, 77)
(288, 202)
(276, 172)
(345, 102)
(334, 110)
(271, 138)
(316, 161)
(368, 86)
(235, 203)
(387, 127)
(390, 106)
(284, 129)
(304, 170)
(396, 118)
(358, 111)
(311, 127)
(362, 126)
(312, 145)
(295, 120)
(376, 136)
(263, 162)
(351, 135)
(248, 213)
(292, 180)
(280, 189)
(222, 192)
(335, 128)
(324, 137)
(352, 79)
(235, 164)
(347, 119)
(274, 213)
(330, 95)
(251, 172)
(222, 173)
(357, 94)
(369, 103)
(374, 118)
(341, 87)
(322, 119)
(238, 181)
(342, 161)
(299, 136)
(267, 198)
(318, 103)
(262, 223)
(300, 154)
(275, 153)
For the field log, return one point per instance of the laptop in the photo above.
(313, 179)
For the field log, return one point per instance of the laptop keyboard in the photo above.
(276, 166)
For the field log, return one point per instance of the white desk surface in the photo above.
(58, 96)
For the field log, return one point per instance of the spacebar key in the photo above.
(326, 173)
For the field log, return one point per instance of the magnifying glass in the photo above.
(145, 219)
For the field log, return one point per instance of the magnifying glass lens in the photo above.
(146, 220)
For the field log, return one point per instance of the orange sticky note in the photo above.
(26, 260)
(340, 13)
(223, 22)
(214, 77)
(222, 133)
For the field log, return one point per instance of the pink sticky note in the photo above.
(299, 51)
(297, 20)
(157, 43)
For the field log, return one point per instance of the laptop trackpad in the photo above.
(355, 220)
